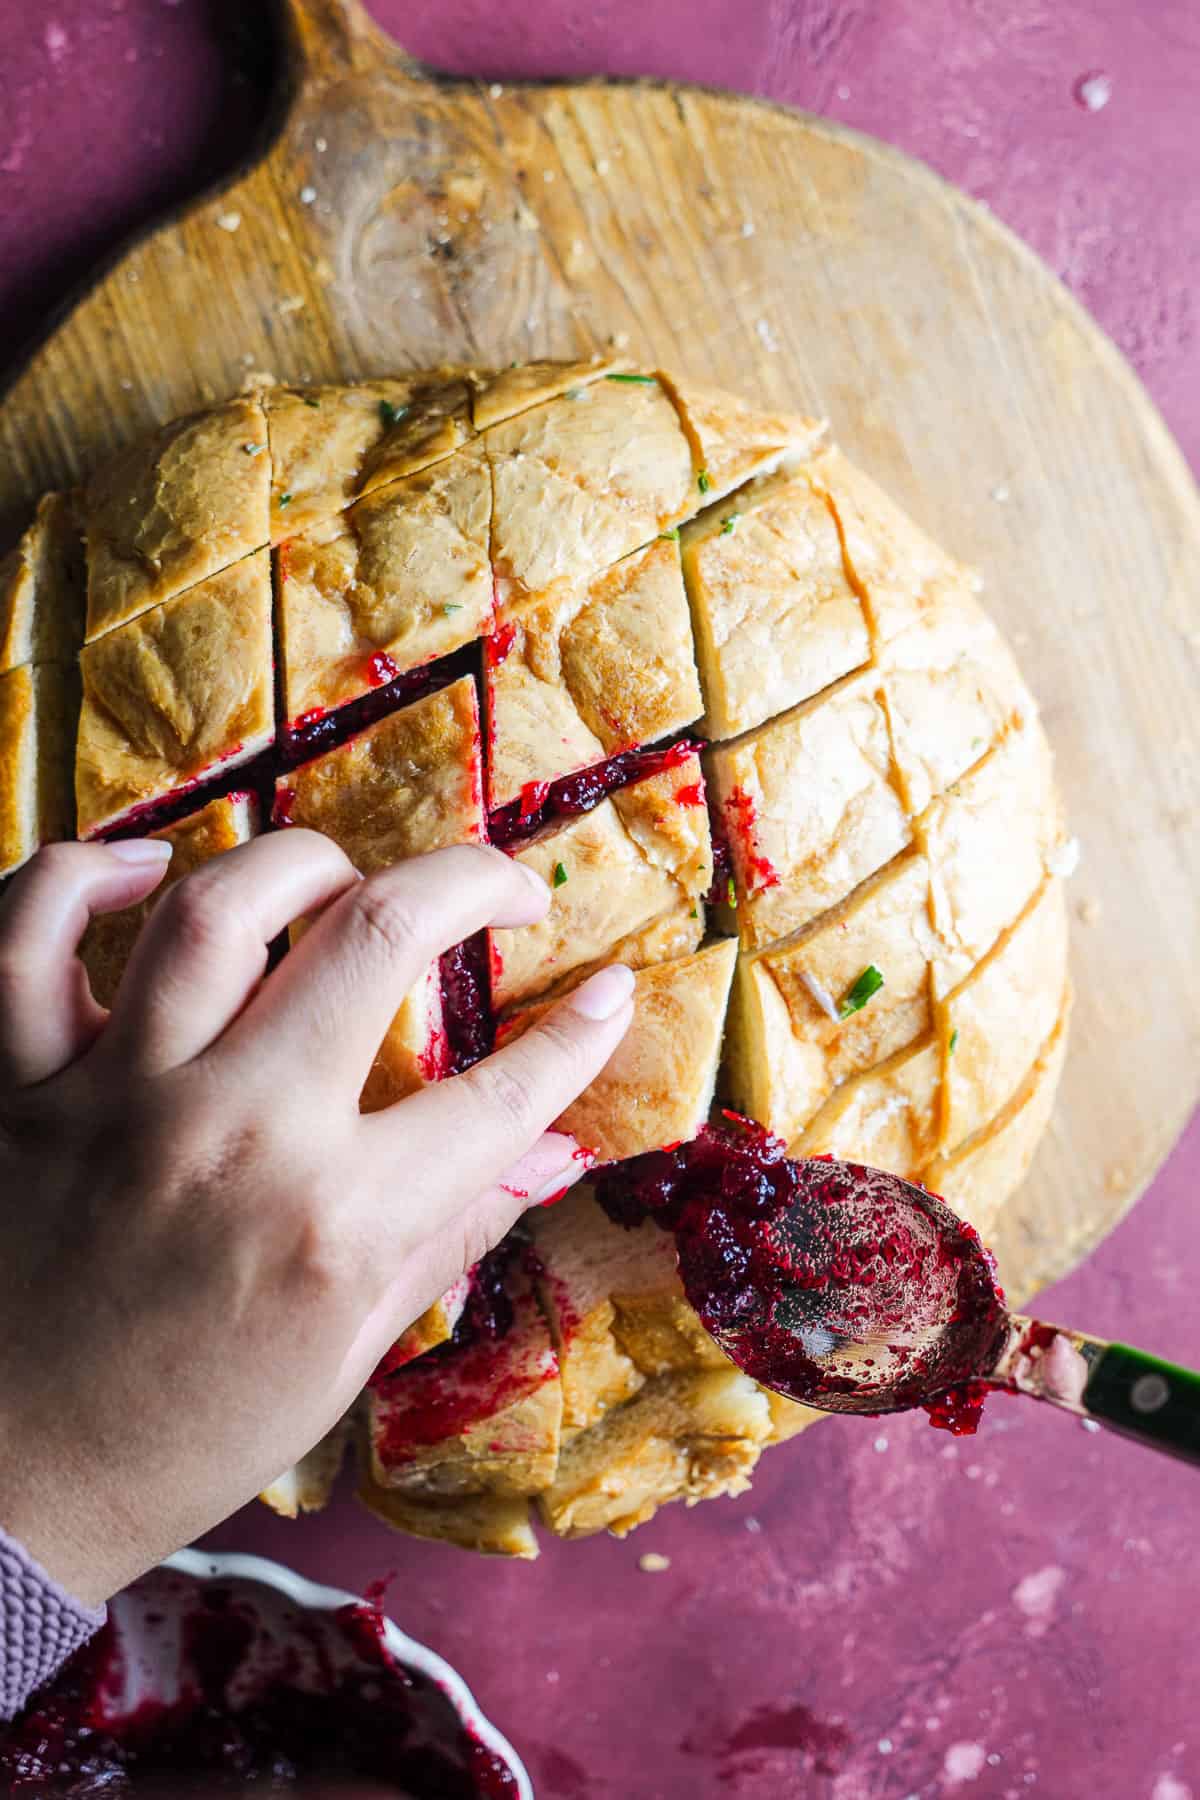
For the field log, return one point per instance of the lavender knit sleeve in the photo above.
(40, 1625)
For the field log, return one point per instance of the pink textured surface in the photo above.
(889, 1614)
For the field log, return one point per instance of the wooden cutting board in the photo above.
(399, 221)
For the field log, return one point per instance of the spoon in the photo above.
(854, 1291)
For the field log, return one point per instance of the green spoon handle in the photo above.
(1147, 1399)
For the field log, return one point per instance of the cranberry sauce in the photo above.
(255, 777)
(542, 803)
(466, 1002)
(741, 826)
(387, 689)
(499, 1355)
(833, 1284)
(486, 1318)
(319, 1695)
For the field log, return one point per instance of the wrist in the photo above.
(59, 1545)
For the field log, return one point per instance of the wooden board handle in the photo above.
(330, 38)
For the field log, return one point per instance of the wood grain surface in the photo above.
(398, 220)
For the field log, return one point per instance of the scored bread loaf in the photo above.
(681, 658)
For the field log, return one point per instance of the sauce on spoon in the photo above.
(837, 1285)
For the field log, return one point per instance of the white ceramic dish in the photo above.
(149, 1638)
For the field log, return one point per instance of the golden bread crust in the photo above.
(174, 693)
(657, 1086)
(174, 509)
(401, 578)
(787, 1047)
(732, 441)
(590, 669)
(888, 1117)
(952, 690)
(307, 1486)
(988, 839)
(1007, 1004)
(408, 784)
(898, 571)
(42, 587)
(810, 807)
(320, 439)
(983, 1172)
(39, 712)
(579, 483)
(777, 618)
(489, 1524)
(499, 394)
(636, 859)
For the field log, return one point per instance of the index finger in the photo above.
(323, 1013)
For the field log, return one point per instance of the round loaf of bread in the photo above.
(689, 664)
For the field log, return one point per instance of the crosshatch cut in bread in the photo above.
(678, 656)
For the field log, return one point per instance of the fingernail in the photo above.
(143, 851)
(558, 1186)
(604, 993)
(533, 878)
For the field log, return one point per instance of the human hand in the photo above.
(204, 1247)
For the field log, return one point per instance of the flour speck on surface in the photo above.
(963, 1762)
(1036, 1595)
(1093, 90)
(1169, 1787)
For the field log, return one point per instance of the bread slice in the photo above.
(952, 690)
(732, 441)
(614, 1298)
(490, 1524)
(319, 439)
(1012, 998)
(810, 808)
(39, 709)
(174, 509)
(500, 394)
(175, 694)
(898, 571)
(435, 422)
(989, 839)
(979, 1176)
(788, 1044)
(307, 1486)
(658, 1085)
(582, 1255)
(401, 578)
(682, 1437)
(435, 1325)
(480, 1417)
(42, 588)
(408, 784)
(582, 481)
(590, 669)
(221, 825)
(888, 1118)
(641, 856)
(777, 619)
